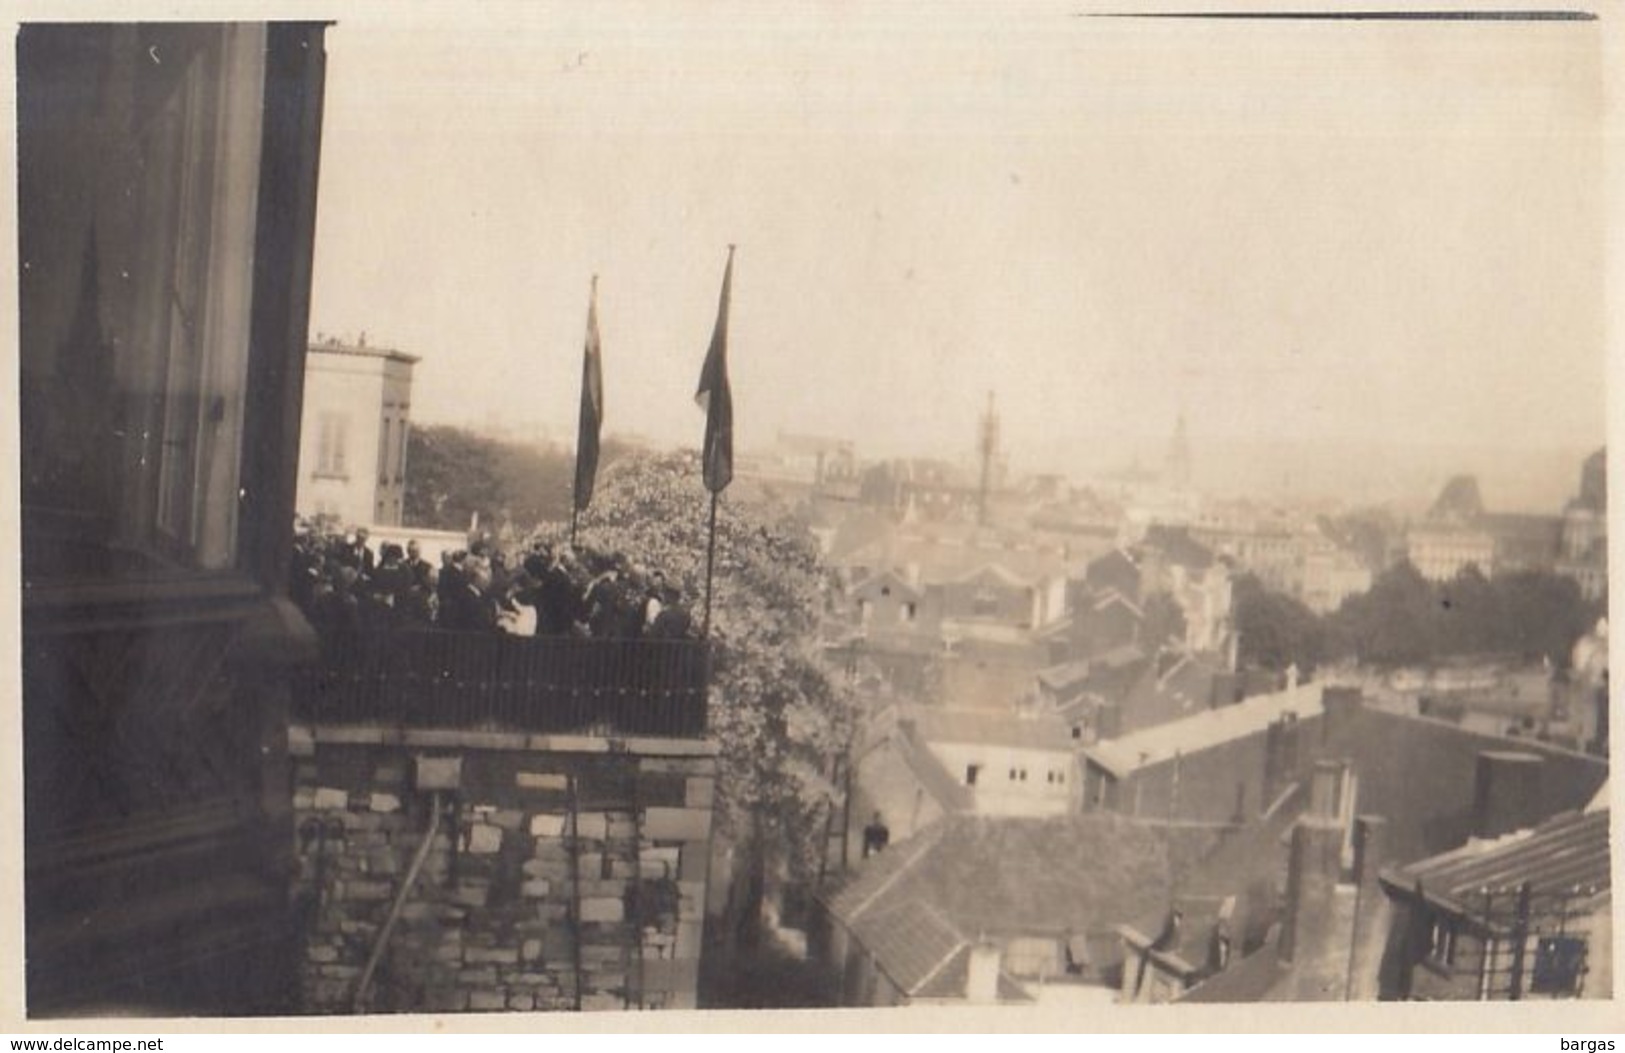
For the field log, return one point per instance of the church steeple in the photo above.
(988, 447)
(1178, 467)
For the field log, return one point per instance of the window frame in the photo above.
(276, 317)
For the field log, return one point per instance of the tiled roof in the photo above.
(1002, 727)
(1252, 979)
(1065, 675)
(1177, 544)
(929, 772)
(1203, 730)
(1109, 596)
(1567, 853)
(989, 875)
(888, 577)
(950, 980)
(918, 905)
(949, 555)
(911, 941)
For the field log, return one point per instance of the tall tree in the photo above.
(1276, 630)
(453, 473)
(1393, 624)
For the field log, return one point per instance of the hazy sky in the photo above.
(1288, 230)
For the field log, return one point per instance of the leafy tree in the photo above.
(451, 473)
(1544, 615)
(778, 712)
(1471, 615)
(1393, 624)
(1276, 630)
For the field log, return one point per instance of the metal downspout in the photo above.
(359, 1003)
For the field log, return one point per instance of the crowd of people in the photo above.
(344, 586)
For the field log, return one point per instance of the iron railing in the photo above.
(555, 685)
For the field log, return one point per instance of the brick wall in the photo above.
(525, 901)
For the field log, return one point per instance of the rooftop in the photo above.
(1000, 727)
(1008, 876)
(1567, 853)
(361, 350)
(1203, 730)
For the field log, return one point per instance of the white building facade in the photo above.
(357, 419)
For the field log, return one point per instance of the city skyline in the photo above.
(1293, 233)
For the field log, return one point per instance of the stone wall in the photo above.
(566, 872)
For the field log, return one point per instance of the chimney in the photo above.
(1506, 792)
(1280, 757)
(1326, 790)
(982, 981)
(1312, 871)
(1373, 917)
(1340, 707)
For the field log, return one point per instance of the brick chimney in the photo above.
(1373, 916)
(1340, 707)
(1314, 865)
(1506, 792)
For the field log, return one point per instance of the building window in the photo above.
(136, 235)
(909, 611)
(386, 435)
(400, 451)
(1442, 941)
(971, 772)
(332, 440)
(1559, 965)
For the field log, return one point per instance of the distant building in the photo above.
(1009, 763)
(1585, 529)
(1330, 576)
(896, 775)
(1458, 501)
(1522, 542)
(1352, 803)
(1439, 552)
(802, 463)
(1517, 915)
(357, 412)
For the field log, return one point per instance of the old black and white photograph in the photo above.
(1039, 507)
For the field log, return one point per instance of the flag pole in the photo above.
(710, 562)
(592, 411)
(717, 455)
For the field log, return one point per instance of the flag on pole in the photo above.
(715, 397)
(592, 406)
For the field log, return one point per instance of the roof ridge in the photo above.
(946, 959)
(924, 841)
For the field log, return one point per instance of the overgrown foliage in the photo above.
(1404, 619)
(777, 713)
(452, 473)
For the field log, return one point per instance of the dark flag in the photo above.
(715, 397)
(592, 406)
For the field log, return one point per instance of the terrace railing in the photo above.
(434, 679)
